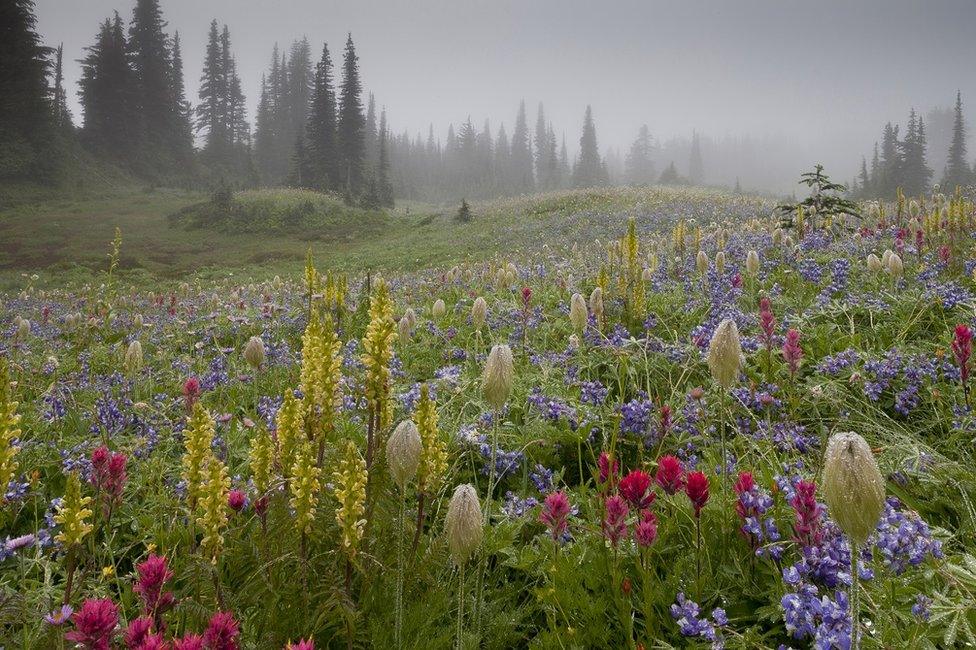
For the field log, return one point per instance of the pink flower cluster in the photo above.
(109, 476)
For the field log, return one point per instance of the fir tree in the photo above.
(321, 130)
(59, 98)
(351, 124)
(696, 168)
(521, 170)
(916, 175)
(213, 97)
(589, 170)
(370, 134)
(640, 167)
(891, 162)
(383, 186)
(957, 171)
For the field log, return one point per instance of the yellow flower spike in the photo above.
(288, 423)
(108, 571)
(433, 457)
(350, 490)
(311, 354)
(72, 514)
(329, 370)
(9, 431)
(213, 507)
(377, 352)
(260, 459)
(197, 439)
(305, 487)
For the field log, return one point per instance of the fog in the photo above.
(812, 82)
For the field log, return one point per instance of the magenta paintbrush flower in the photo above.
(697, 490)
(222, 632)
(804, 504)
(555, 513)
(670, 474)
(635, 487)
(615, 519)
(608, 467)
(792, 352)
(645, 531)
(95, 624)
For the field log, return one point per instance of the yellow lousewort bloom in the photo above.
(479, 312)
(725, 354)
(309, 374)
(72, 514)
(304, 486)
(197, 439)
(433, 455)
(377, 352)
(213, 507)
(350, 489)
(9, 431)
(133, 357)
(577, 312)
(403, 451)
(288, 426)
(498, 376)
(853, 486)
(463, 524)
(260, 459)
(137, 322)
(254, 352)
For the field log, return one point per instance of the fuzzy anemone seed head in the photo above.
(886, 256)
(577, 312)
(647, 275)
(874, 263)
(720, 262)
(403, 328)
(403, 451)
(23, 329)
(254, 352)
(463, 523)
(725, 354)
(137, 322)
(752, 262)
(853, 486)
(701, 262)
(411, 317)
(596, 303)
(895, 266)
(479, 312)
(499, 376)
(133, 357)
(439, 308)
(778, 236)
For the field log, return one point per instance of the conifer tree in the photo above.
(916, 174)
(59, 98)
(957, 171)
(640, 167)
(383, 186)
(696, 168)
(370, 134)
(351, 125)
(321, 131)
(589, 170)
(521, 170)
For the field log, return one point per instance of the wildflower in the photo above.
(197, 439)
(191, 393)
(72, 513)
(725, 354)
(377, 352)
(213, 502)
(304, 484)
(153, 576)
(895, 266)
(94, 624)
(498, 376)
(9, 431)
(189, 642)
(596, 304)
(804, 504)
(433, 455)
(701, 262)
(615, 519)
(301, 644)
(645, 530)
(439, 309)
(403, 451)
(555, 512)
(254, 352)
(767, 322)
(962, 349)
(479, 312)
(720, 262)
(635, 487)
(138, 631)
(752, 263)
(109, 475)
(697, 490)
(320, 375)
(262, 451)
(133, 357)
(874, 263)
(222, 632)
(59, 616)
(288, 427)
(608, 467)
(670, 474)
(236, 500)
(792, 352)
(853, 486)
(577, 312)
(463, 524)
(350, 490)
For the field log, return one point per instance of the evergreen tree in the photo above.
(957, 171)
(865, 180)
(670, 176)
(639, 165)
(696, 168)
(383, 186)
(321, 130)
(891, 162)
(542, 167)
(183, 118)
(875, 185)
(589, 170)
(503, 160)
(26, 127)
(521, 170)
(370, 134)
(59, 98)
(213, 97)
(351, 124)
(916, 175)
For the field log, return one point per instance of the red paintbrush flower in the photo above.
(635, 487)
(555, 513)
(697, 491)
(670, 474)
(95, 624)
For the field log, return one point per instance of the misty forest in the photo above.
(487, 325)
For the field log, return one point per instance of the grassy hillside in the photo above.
(171, 235)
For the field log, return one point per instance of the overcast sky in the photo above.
(826, 73)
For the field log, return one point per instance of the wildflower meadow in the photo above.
(671, 418)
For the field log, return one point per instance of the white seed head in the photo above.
(701, 262)
(596, 303)
(725, 354)
(874, 263)
(720, 262)
(752, 262)
(137, 322)
(411, 317)
(23, 329)
(463, 524)
(133, 357)
(895, 266)
(254, 352)
(853, 486)
(577, 312)
(479, 312)
(778, 237)
(403, 451)
(499, 376)
(404, 329)
(439, 308)
(886, 256)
